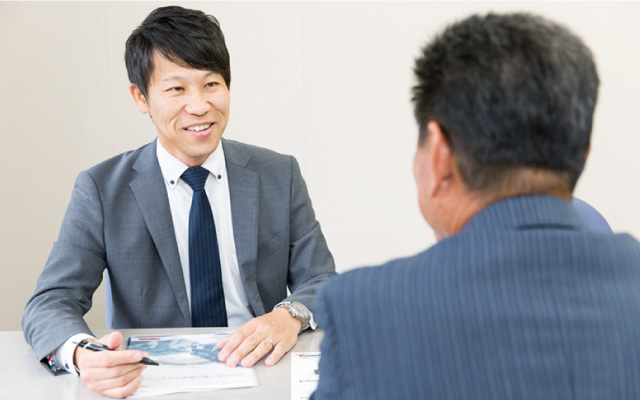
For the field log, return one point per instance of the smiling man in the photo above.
(193, 229)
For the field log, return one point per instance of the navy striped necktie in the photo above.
(207, 294)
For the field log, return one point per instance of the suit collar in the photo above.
(149, 189)
(527, 212)
(234, 153)
(147, 158)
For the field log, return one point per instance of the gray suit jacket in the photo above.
(525, 302)
(119, 219)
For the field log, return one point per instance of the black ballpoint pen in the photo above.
(95, 346)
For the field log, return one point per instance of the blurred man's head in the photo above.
(508, 100)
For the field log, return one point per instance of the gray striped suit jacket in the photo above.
(119, 219)
(526, 302)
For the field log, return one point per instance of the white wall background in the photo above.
(327, 82)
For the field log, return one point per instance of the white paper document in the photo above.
(304, 374)
(188, 363)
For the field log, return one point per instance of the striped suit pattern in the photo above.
(525, 302)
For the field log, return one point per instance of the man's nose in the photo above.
(197, 104)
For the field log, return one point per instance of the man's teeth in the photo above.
(198, 128)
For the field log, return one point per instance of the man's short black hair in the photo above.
(189, 38)
(509, 91)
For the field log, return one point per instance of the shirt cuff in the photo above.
(63, 355)
(312, 322)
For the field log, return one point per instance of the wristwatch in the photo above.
(298, 311)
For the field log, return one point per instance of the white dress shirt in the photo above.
(217, 188)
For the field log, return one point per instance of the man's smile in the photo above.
(201, 130)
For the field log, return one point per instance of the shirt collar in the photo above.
(172, 168)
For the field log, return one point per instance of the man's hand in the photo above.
(275, 332)
(110, 373)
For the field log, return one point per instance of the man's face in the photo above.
(189, 107)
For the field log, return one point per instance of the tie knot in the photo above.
(195, 177)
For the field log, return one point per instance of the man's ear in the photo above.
(138, 98)
(440, 158)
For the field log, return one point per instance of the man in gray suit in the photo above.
(520, 298)
(137, 216)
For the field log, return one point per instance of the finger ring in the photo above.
(270, 341)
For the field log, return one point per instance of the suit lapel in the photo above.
(243, 193)
(151, 194)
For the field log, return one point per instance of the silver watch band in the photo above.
(298, 311)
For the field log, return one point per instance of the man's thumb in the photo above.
(114, 340)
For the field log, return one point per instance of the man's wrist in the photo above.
(298, 311)
(65, 354)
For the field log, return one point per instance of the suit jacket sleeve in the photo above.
(71, 274)
(310, 261)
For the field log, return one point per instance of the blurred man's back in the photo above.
(520, 299)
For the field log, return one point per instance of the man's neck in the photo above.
(460, 212)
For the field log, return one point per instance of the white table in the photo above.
(24, 377)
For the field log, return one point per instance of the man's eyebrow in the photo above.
(178, 77)
(171, 78)
(210, 73)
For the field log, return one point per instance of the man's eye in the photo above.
(211, 84)
(175, 89)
